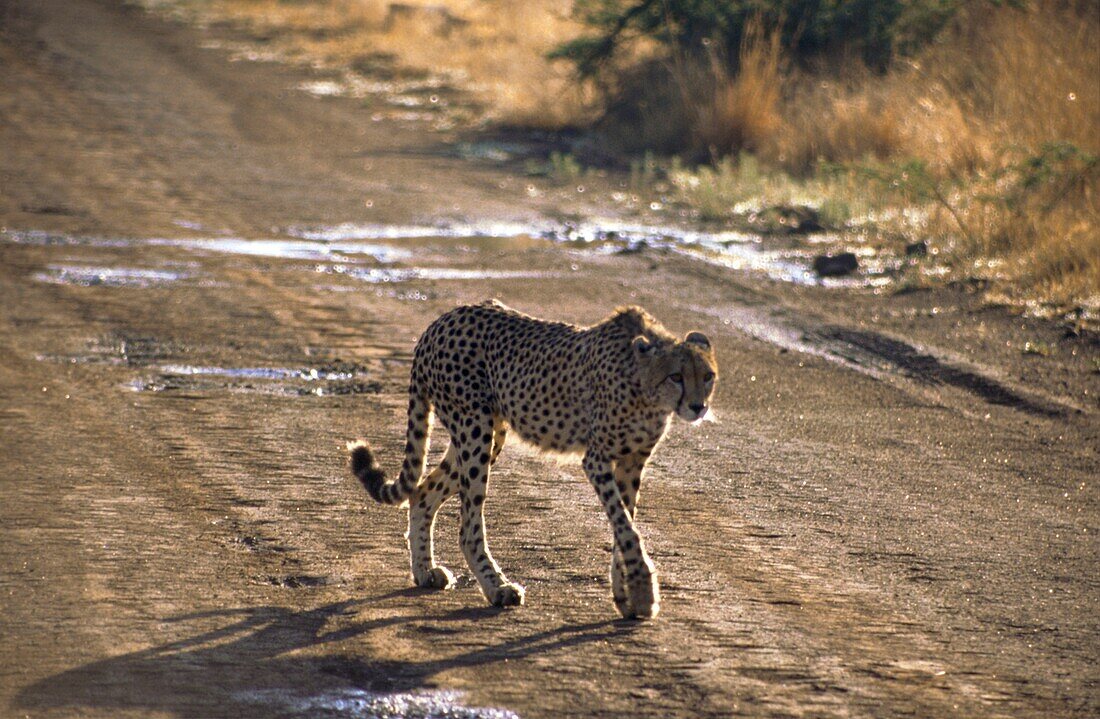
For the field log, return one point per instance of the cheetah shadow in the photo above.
(269, 661)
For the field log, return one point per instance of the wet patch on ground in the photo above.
(361, 704)
(43, 238)
(284, 381)
(388, 90)
(334, 371)
(413, 295)
(376, 275)
(782, 259)
(429, 99)
(164, 367)
(122, 348)
(441, 230)
(289, 249)
(495, 150)
(82, 276)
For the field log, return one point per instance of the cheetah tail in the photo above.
(365, 467)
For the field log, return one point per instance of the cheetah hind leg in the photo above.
(439, 486)
(436, 489)
(509, 594)
(472, 436)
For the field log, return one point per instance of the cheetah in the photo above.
(607, 391)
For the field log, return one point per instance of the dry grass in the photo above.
(495, 49)
(992, 135)
(998, 93)
(739, 113)
(983, 111)
(826, 123)
(695, 105)
(997, 78)
(1029, 75)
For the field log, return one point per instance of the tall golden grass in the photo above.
(997, 77)
(740, 112)
(495, 50)
(980, 110)
(998, 90)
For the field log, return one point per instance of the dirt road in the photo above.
(896, 515)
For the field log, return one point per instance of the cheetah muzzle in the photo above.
(607, 391)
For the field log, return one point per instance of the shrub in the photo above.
(874, 30)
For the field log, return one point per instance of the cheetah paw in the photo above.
(649, 611)
(645, 599)
(626, 609)
(436, 578)
(507, 595)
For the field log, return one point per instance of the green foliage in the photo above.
(908, 181)
(1055, 171)
(715, 191)
(1043, 349)
(564, 166)
(835, 212)
(560, 167)
(875, 30)
(643, 172)
(728, 188)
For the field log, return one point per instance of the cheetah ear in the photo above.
(642, 346)
(697, 338)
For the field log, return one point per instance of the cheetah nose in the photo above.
(698, 408)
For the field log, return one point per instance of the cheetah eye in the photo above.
(708, 377)
(677, 378)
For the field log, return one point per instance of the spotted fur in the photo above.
(607, 391)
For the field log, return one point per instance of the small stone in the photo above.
(838, 265)
(791, 220)
(916, 249)
(802, 219)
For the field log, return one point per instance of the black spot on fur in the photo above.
(489, 366)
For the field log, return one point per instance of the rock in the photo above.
(798, 219)
(787, 220)
(916, 249)
(802, 219)
(633, 248)
(838, 265)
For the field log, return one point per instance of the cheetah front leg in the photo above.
(473, 442)
(642, 593)
(628, 478)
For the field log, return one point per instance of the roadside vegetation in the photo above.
(972, 126)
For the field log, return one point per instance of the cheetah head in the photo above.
(678, 376)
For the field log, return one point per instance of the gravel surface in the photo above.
(896, 514)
